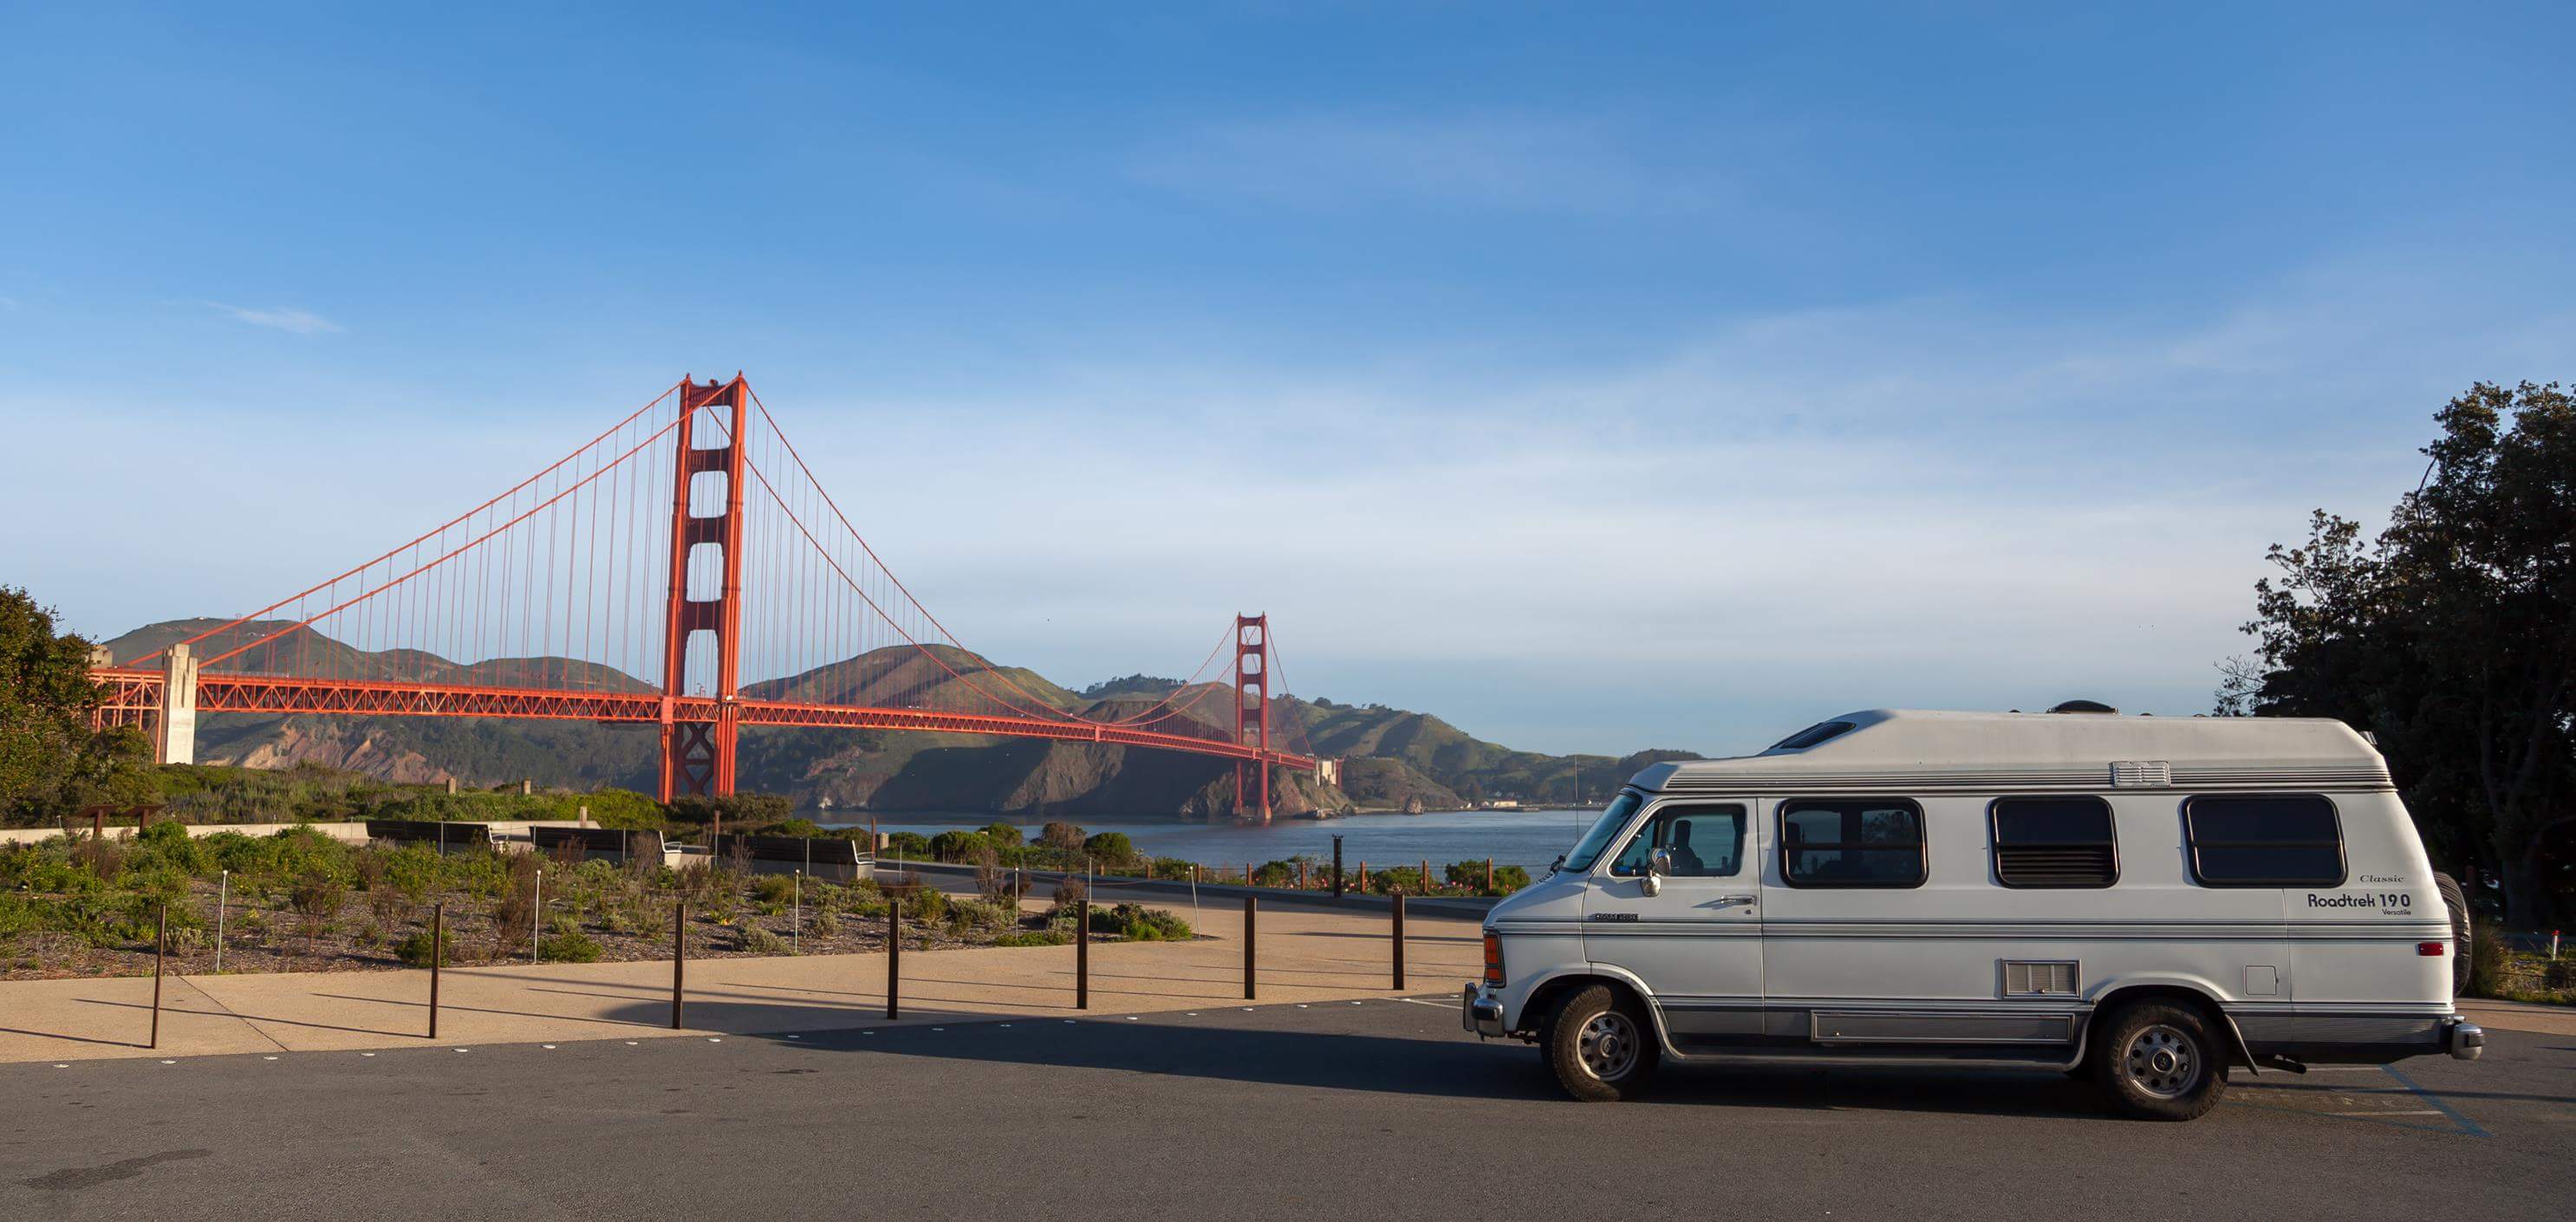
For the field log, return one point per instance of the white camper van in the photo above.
(2150, 900)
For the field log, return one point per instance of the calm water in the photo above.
(1529, 838)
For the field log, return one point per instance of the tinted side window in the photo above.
(1851, 842)
(2264, 841)
(1704, 841)
(2054, 842)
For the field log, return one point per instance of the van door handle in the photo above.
(1724, 901)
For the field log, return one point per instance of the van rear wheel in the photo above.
(1602, 1045)
(2161, 1061)
(2463, 940)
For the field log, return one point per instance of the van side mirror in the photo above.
(1657, 867)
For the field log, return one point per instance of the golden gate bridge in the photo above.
(690, 544)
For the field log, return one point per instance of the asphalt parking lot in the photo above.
(1332, 1109)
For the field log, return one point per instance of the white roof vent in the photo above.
(2142, 774)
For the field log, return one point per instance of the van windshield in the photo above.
(1603, 830)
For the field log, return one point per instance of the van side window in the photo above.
(2054, 842)
(2265, 841)
(1851, 842)
(1705, 842)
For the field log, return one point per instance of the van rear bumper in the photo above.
(2464, 1039)
(2360, 1038)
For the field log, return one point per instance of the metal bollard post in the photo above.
(894, 956)
(437, 952)
(537, 923)
(223, 898)
(1337, 867)
(1251, 917)
(679, 958)
(160, 956)
(1399, 941)
(796, 915)
(1082, 954)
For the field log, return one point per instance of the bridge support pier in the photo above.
(174, 739)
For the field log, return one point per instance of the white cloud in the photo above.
(281, 318)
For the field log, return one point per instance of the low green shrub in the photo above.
(965, 915)
(573, 947)
(414, 949)
(1138, 923)
(1110, 847)
(960, 846)
(1034, 937)
(756, 939)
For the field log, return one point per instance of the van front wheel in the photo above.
(2161, 1061)
(1602, 1045)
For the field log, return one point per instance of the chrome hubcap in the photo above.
(1608, 1045)
(2163, 1062)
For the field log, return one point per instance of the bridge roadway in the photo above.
(132, 697)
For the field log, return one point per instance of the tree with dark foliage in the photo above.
(2452, 637)
(51, 762)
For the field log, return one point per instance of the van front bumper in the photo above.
(1481, 1014)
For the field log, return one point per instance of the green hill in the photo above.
(1393, 759)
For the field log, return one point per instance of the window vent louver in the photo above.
(2038, 978)
(2055, 865)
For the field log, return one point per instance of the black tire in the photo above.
(1602, 1045)
(2161, 1060)
(2462, 931)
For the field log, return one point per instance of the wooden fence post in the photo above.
(160, 956)
(1082, 953)
(437, 952)
(679, 957)
(1399, 941)
(894, 956)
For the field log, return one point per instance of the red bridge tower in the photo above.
(706, 513)
(1252, 708)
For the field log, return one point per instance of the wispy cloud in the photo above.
(280, 318)
(1506, 163)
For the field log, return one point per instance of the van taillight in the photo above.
(1493, 959)
(2431, 950)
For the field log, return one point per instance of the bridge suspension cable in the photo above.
(640, 578)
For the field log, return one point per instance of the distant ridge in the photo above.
(1395, 759)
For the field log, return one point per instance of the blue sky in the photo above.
(1597, 377)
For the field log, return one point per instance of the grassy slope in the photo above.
(1393, 755)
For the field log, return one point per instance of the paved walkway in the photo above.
(1305, 956)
